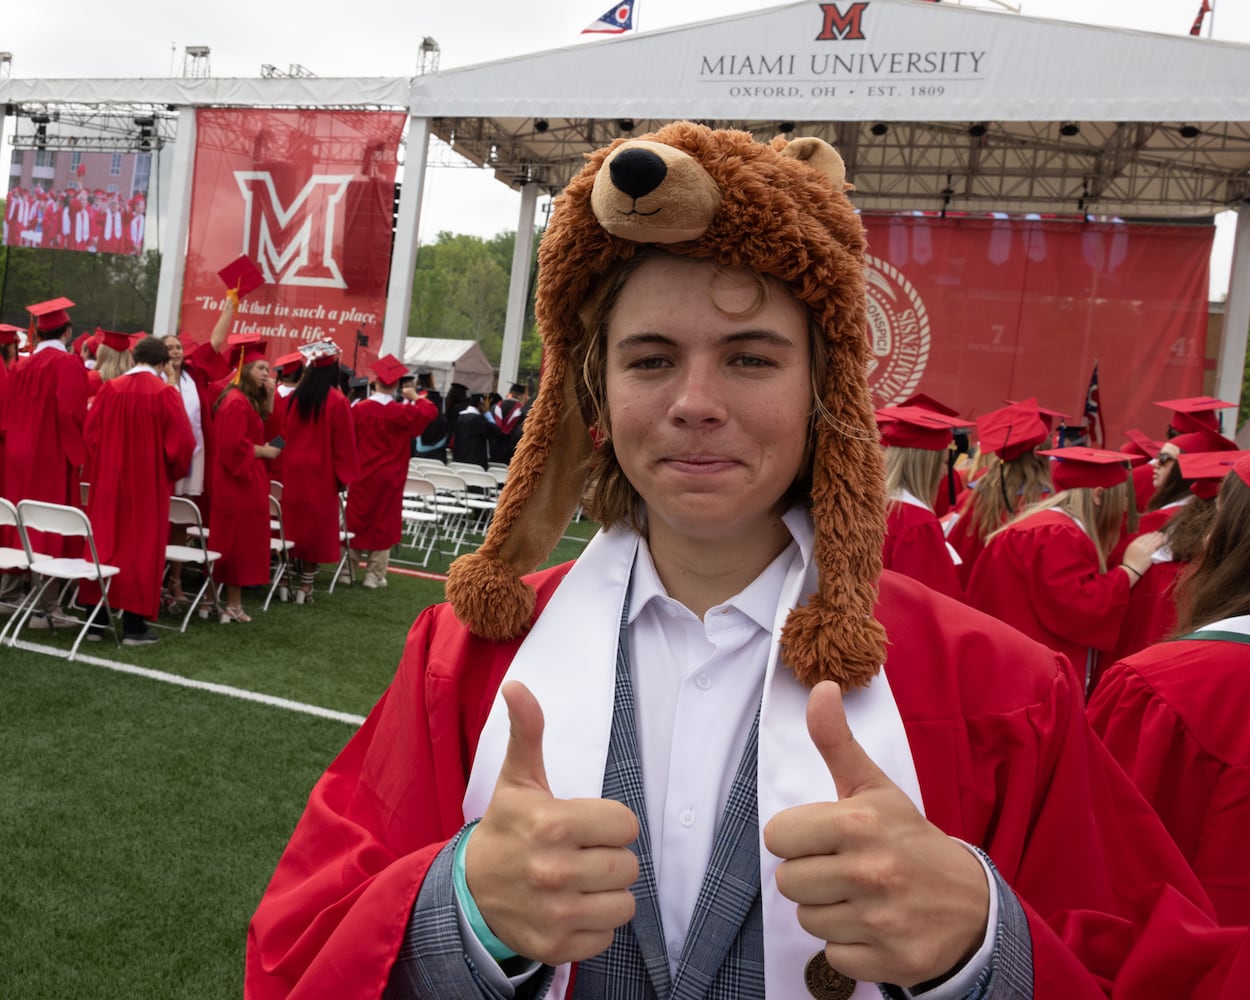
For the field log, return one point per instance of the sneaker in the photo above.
(58, 619)
(145, 638)
(371, 582)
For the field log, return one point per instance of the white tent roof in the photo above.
(451, 361)
(932, 105)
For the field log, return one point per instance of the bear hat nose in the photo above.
(637, 172)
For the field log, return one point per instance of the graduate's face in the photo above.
(1163, 465)
(175, 349)
(709, 396)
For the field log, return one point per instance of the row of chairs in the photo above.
(70, 522)
(444, 505)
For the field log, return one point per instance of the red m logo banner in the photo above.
(840, 27)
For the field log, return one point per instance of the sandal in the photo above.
(303, 597)
(234, 615)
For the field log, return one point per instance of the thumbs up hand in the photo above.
(550, 876)
(894, 898)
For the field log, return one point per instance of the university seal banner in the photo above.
(307, 195)
(976, 311)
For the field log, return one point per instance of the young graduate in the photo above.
(1174, 714)
(635, 775)
(1046, 572)
(318, 462)
(917, 442)
(385, 430)
(1015, 477)
(239, 524)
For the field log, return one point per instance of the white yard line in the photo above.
(224, 689)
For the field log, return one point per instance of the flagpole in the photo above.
(1211, 28)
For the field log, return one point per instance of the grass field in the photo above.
(140, 821)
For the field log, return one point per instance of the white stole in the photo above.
(568, 661)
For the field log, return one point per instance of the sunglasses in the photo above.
(1164, 459)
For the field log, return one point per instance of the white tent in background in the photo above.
(450, 361)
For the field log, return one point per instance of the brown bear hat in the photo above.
(776, 208)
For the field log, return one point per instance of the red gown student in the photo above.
(44, 417)
(318, 461)
(384, 433)
(1152, 611)
(239, 525)
(1002, 757)
(917, 441)
(1045, 573)
(1173, 715)
(1017, 478)
(139, 442)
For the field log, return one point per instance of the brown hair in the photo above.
(254, 391)
(1218, 585)
(610, 498)
(1187, 531)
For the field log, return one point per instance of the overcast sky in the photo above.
(381, 38)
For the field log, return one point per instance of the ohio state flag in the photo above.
(614, 21)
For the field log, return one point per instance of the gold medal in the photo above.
(825, 982)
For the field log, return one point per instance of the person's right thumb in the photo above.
(523, 762)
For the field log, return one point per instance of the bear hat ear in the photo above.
(819, 154)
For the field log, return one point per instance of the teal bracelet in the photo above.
(494, 947)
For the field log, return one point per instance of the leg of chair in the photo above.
(278, 573)
(112, 618)
(32, 602)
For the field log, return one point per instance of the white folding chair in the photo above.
(345, 541)
(420, 517)
(481, 495)
(12, 559)
(499, 471)
(185, 512)
(279, 548)
(68, 522)
(418, 465)
(451, 503)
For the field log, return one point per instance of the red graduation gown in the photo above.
(139, 442)
(1150, 616)
(1174, 716)
(239, 525)
(44, 415)
(1041, 576)
(318, 460)
(916, 547)
(384, 433)
(1004, 757)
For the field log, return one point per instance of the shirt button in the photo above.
(703, 681)
(686, 818)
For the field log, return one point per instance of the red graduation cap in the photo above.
(1242, 469)
(916, 427)
(1194, 413)
(1202, 440)
(1085, 468)
(388, 369)
(242, 276)
(1048, 415)
(113, 340)
(245, 348)
(929, 403)
(8, 333)
(1206, 469)
(51, 314)
(1141, 445)
(1012, 430)
(289, 362)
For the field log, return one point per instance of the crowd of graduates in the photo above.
(118, 424)
(74, 218)
(1134, 564)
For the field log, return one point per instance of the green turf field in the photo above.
(140, 820)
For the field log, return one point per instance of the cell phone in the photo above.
(278, 442)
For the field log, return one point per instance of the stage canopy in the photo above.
(932, 106)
